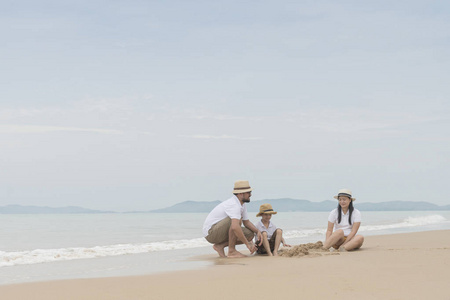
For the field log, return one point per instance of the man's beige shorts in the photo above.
(219, 232)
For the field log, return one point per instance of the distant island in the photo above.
(282, 205)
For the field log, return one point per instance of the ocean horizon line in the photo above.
(284, 205)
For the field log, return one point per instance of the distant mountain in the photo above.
(282, 205)
(19, 209)
(287, 204)
(188, 207)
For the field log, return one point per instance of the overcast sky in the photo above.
(138, 105)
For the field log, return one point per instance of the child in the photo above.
(272, 236)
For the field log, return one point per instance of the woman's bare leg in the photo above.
(334, 239)
(355, 243)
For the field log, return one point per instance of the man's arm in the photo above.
(253, 228)
(236, 228)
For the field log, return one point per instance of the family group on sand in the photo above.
(223, 225)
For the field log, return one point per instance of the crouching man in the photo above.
(222, 226)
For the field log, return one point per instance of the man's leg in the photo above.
(220, 248)
(218, 236)
(233, 240)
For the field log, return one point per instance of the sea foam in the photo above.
(50, 255)
(406, 223)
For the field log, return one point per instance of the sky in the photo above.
(139, 105)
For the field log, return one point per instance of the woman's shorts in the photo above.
(337, 246)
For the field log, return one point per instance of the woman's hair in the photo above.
(350, 209)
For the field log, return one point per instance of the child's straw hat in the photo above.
(266, 209)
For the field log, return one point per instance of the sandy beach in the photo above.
(399, 266)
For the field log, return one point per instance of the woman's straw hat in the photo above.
(345, 193)
(266, 209)
(241, 186)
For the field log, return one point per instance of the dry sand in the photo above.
(400, 266)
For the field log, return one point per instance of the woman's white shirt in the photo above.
(344, 225)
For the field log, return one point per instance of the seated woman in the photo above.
(272, 236)
(345, 220)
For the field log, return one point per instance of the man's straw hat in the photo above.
(266, 209)
(241, 186)
(345, 193)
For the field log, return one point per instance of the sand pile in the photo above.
(315, 249)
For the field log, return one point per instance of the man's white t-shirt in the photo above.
(344, 225)
(270, 230)
(229, 208)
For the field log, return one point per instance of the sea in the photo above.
(42, 247)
